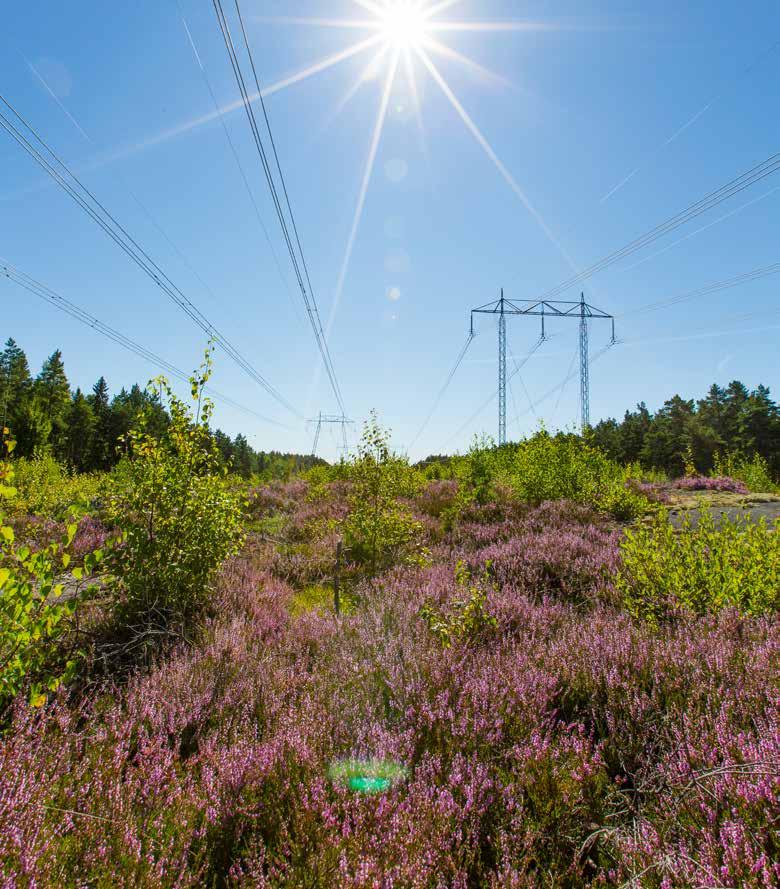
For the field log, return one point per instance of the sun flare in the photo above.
(405, 37)
(404, 25)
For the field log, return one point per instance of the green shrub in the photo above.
(476, 472)
(700, 568)
(34, 612)
(179, 514)
(544, 467)
(752, 470)
(468, 619)
(378, 530)
(48, 488)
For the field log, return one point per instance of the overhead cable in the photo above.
(75, 188)
(735, 186)
(442, 391)
(22, 279)
(289, 230)
(234, 152)
(494, 395)
(745, 278)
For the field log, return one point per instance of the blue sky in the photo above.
(586, 99)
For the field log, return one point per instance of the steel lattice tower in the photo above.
(584, 367)
(337, 420)
(545, 309)
(502, 373)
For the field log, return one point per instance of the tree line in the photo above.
(86, 430)
(730, 420)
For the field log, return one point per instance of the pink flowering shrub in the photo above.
(90, 535)
(575, 564)
(571, 746)
(705, 483)
(277, 497)
(437, 496)
(37, 532)
(653, 491)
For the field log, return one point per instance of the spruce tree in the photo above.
(104, 438)
(52, 395)
(15, 386)
(81, 431)
(242, 456)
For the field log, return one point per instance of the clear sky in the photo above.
(608, 117)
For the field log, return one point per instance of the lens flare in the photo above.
(406, 35)
(404, 25)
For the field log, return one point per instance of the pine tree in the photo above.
(225, 445)
(668, 438)
(759, 425)
(712, 408)
(633, 430)
(735, 398)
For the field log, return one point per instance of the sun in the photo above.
(406, 38)
(404, 25)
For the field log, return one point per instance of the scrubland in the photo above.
(570, 691)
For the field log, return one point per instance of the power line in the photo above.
(494, 395)
(297, 257)
(735, 186)
(311, 304)
(121, 237)
(22, 279)
(697, 231)
(234, 152)
(138, 201)
(745, 278)
(442, 391)
(569, 376)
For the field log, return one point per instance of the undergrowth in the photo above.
(700, 568)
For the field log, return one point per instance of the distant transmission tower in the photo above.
(544, 309)
(327, 419)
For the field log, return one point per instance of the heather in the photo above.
(716, 483)
(553, 751)
(496, 679)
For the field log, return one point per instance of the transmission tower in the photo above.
(502, 373)
(544, 309)
(327, 419)
(585, 366)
